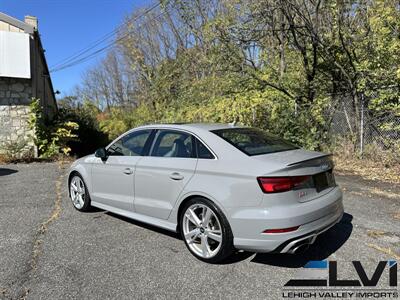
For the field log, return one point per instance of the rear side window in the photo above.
(254, 141)
(202, 151)
(173, 144)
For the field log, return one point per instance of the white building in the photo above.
(23, 75)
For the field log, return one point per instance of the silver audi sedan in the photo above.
(222, 187)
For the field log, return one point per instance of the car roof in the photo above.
(193, 126)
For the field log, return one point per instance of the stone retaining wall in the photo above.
(15, 97)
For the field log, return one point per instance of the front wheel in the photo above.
(79, 194)
(206, 231)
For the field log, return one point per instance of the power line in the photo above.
(77, 58)
(85, 50)
(94, 54)
(99, 41)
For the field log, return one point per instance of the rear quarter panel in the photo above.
(225, 182)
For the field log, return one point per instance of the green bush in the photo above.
(268, 110)
(13, 151)
(90, 136)
(51, 138)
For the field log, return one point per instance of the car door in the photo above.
(113, 178)
(162, 176)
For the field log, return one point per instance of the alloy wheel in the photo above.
(78, 192)
(202, 230)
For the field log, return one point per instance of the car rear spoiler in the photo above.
(317, 157)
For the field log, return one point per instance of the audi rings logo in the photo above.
(325, 166)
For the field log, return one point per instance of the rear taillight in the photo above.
(280, 184)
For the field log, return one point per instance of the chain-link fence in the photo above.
(364, 127)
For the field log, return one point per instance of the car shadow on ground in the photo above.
(326, 244)
(6, 171)
(94, 210)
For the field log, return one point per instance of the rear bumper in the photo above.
(291, 245)
(313, 217)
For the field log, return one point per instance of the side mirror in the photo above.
(101, 153)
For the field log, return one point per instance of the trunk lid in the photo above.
(316, 165)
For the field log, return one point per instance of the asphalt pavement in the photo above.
(48, 250)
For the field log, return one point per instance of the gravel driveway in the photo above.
(50, 251)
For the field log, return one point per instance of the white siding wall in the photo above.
(15, 55)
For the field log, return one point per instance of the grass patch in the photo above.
(375, 233)
(387, 251)
(367, 169)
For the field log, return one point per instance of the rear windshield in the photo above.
(254, 141)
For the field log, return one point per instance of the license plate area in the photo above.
(324, 180)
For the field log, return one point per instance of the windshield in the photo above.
(254, 141)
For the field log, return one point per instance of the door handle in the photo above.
(176, 176)
(128, 171)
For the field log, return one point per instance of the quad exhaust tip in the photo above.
(300, 247)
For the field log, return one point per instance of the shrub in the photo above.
(51, 138)
(15, 151)
(87, 116)
(268, 110)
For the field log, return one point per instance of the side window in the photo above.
(131, 144)
(171, 143)
(202, 151)
(115, 149)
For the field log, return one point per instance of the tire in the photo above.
(212, 241)
(78, 193)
